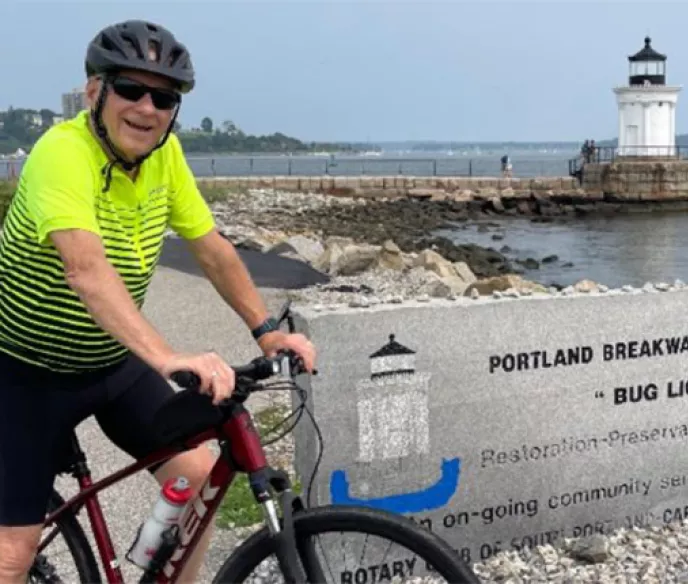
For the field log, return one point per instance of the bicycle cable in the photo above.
(298, 411)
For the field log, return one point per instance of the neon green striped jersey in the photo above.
(43, 321)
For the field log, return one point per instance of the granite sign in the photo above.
(504, 423)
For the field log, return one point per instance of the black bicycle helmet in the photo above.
(127, 45)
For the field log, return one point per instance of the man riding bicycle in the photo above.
(81, 241)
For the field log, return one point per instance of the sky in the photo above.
(370, 70)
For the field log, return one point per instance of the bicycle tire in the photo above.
(396, 528)
(76, 540)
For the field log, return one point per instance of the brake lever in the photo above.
(294, 364)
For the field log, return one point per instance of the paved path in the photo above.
(190, 313)
(268, 270)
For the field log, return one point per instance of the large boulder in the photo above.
(444, 278)
(586, 286)
(391, 257)
(464, 272)
(487, 286)
(253, 238)
(341, 256)
(431, 260)
(346, 259)
(483, 262)
(307, 249)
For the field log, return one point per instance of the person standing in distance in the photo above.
(80, 245)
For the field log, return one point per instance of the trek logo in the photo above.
(188, 524)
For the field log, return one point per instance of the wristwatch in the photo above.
(268, 325)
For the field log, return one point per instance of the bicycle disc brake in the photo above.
(43, 571)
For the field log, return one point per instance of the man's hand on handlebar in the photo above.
(272, 342)
(217, 377)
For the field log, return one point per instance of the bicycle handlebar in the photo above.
(285, 363)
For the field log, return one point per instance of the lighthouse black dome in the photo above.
(647, 53)
(647, 66)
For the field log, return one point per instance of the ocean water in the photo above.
(627, 249)
(525, 164)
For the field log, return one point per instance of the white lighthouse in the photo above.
(393, 406)
(647, 107)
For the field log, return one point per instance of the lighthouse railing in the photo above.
(612, 153)
(605, 154)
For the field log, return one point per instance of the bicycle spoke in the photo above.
(367, 562)
(329, 569)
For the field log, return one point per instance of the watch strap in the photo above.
(268, 325)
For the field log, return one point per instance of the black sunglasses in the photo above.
(163, 99)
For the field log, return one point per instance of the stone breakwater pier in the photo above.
(457, 188)
(603, 190)
(626, 179)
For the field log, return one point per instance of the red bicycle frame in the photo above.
(246, 454)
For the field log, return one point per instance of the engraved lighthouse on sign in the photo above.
(393, 406)
(395, 470)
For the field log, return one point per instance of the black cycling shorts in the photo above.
(39, 409)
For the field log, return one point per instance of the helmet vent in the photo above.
(131, 43)
(153, 51)
(175, 54)
(108, 45)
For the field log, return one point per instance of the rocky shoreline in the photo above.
(376, 250)
(259, 217)
(266, 217)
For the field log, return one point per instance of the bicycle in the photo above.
(188, 419)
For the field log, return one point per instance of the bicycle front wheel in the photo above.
(424, 557)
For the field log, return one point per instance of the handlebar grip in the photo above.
(259, 368)
(186, 379)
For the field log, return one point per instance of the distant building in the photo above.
(72, 103)
(647, 107)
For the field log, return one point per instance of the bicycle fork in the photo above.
(246, 454)
(293, 556)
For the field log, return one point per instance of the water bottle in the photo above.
(174, 495)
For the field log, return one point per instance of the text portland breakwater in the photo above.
(585, 354)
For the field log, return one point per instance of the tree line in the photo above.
(21, 128)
